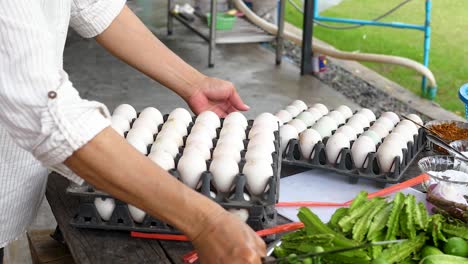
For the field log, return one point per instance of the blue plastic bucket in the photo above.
(463, 94)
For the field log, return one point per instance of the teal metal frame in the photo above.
(429, 92)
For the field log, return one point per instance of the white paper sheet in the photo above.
(324, 186)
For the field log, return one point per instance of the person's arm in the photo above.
(129, 39)
(131, 177)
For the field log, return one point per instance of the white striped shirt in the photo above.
(43, 120)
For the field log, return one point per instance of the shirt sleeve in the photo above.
(39, 106)
(91, 17)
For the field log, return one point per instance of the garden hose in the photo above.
(317, 48)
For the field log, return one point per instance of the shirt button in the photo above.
(52, 95)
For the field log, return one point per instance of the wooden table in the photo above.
(97, 246)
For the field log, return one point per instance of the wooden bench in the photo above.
(45, 249)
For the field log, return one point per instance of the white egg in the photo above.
(397, 137)
(105, 207)
(163, 159)
(368, 113)
(232, 140)
(236, 118)
(308, 118)
(372, 135)
(335, 144)
(181, 114)
(294, 111)
(190, 168)
(226, 150)
(405, 132)
(356, 125)
(325, 126)
(415, 118)
(284, 116)
(298, 124)
(300, 105)
(379, 129)
(386, 155)
(147, 123)
(175, 126)
(345, 111)
(125, 110)
(322, 108)
(264, 137)
(139, 145)
(360, 118)
(315, 112)
(269, 146)
(360, 149)
(257, 172)
(152, 114)
(224, 170)
(168, 135)
(137, 215)
(287, 133)
(392, 116)
(337, 116)
(256, 153)
(212, 194)
(267, 120)
(348, 131)
(256, 129)
(242, 214)
(120, 123)
(141, 133)
(233, 129)
(307, 141)
(200, 127)
(200, 137)
(246, 196)
(385, 122)
(412, 127)
(209, 118)
(198, 149)
(167, 145)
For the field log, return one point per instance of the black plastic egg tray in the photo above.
(262, 213)
(345, 165)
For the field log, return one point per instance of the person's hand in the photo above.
(228, 240)
(215, 95)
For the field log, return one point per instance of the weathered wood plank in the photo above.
(97, 246)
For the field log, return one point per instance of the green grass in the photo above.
(449, 42)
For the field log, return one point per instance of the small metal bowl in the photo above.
(430, 124)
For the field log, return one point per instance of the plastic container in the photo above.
(463, 95)
(223, 21)
(345, 166)
(435, 148)
(261, 208)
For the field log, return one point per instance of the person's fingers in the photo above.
(231, 109)
(237, 102)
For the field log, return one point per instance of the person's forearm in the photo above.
(131, 41)
(110, 164)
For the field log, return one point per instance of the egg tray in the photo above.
(345, 165)
(261, 207)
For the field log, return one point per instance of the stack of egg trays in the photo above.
(345, 166)
(262, 213)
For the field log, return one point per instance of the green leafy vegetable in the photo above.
(339, 213)
(393, 222)
(421, 217)
(403, 250)
(379, 222)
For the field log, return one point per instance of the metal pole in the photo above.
(432, 91)
(279, 37)
(307, 34)
(212, 43)
(170, 19)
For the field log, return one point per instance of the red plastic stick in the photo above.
(159, 236)
(308, 204)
